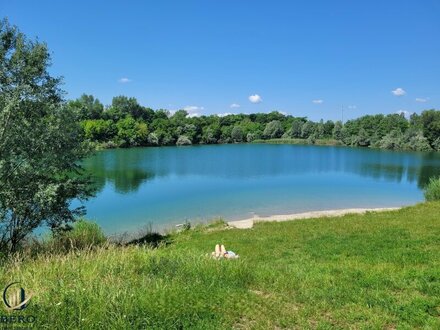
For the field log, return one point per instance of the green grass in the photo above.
(432, 190)
(373, 271)
(321, 142)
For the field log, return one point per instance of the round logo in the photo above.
(14, 297)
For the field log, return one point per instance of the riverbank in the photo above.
(319, 142)
(249, 223)
(97, 146)
(375, 270)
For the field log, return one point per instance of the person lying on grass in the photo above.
(220, 252)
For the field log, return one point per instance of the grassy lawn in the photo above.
(374, 271)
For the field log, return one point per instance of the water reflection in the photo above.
(169, 185)
(129, 169)
(120, 169)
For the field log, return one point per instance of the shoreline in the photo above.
(249, 223)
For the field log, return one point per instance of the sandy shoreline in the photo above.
(248, 223)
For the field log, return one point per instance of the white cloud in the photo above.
(223, 114)
(422, 99)
(398, 92)
(193, 110)
(318, 101)
(234, 106)
(255, 99)
(124, 80)
(352, 107)
(403, 112)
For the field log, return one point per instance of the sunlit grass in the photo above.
(379, 270)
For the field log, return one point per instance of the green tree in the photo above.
(41, 143)
(307, 129)
(413, 139)
(237, 134)
(328, 128)
(274, 129)
(361, 139)
(126, 131)
(320, 130)
(337, 131)
(211, 134)
(87, 107)
(392, 141)
(297, 128)
(99, 130)
(430, 120)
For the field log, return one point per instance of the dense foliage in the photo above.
(40, 143)
(126, 123)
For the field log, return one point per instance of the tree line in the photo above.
(126, 123)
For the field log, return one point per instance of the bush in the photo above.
(432, 190)
(436, 144)
(183, 141)
(83, 235)
(250, 137)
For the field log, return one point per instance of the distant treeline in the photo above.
(126, 123)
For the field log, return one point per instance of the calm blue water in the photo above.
(169, 185)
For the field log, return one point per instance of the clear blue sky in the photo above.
(209, 54)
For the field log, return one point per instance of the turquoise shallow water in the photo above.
(168, 185)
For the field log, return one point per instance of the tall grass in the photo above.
(432, 190)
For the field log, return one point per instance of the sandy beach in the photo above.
(248, 223)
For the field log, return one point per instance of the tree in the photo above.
(430, 120)
(99, 130)
(126, 131)
(211, 134)
(328, 128)
(237, 134)
(87, 107)
(320, 130)
(41, 143)
(307, 129)
(124, 106)
(273, 129)
(361, 139)
(296, 128)
(414, 140)
(392, 140)
(337, 131)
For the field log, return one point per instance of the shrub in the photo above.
(432, 190)
(183, 141)
(152, 139)
(436, 144)
(250, 137)
(83, 235)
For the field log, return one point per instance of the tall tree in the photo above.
(40, 143)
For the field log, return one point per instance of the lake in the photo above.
(168, 185)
